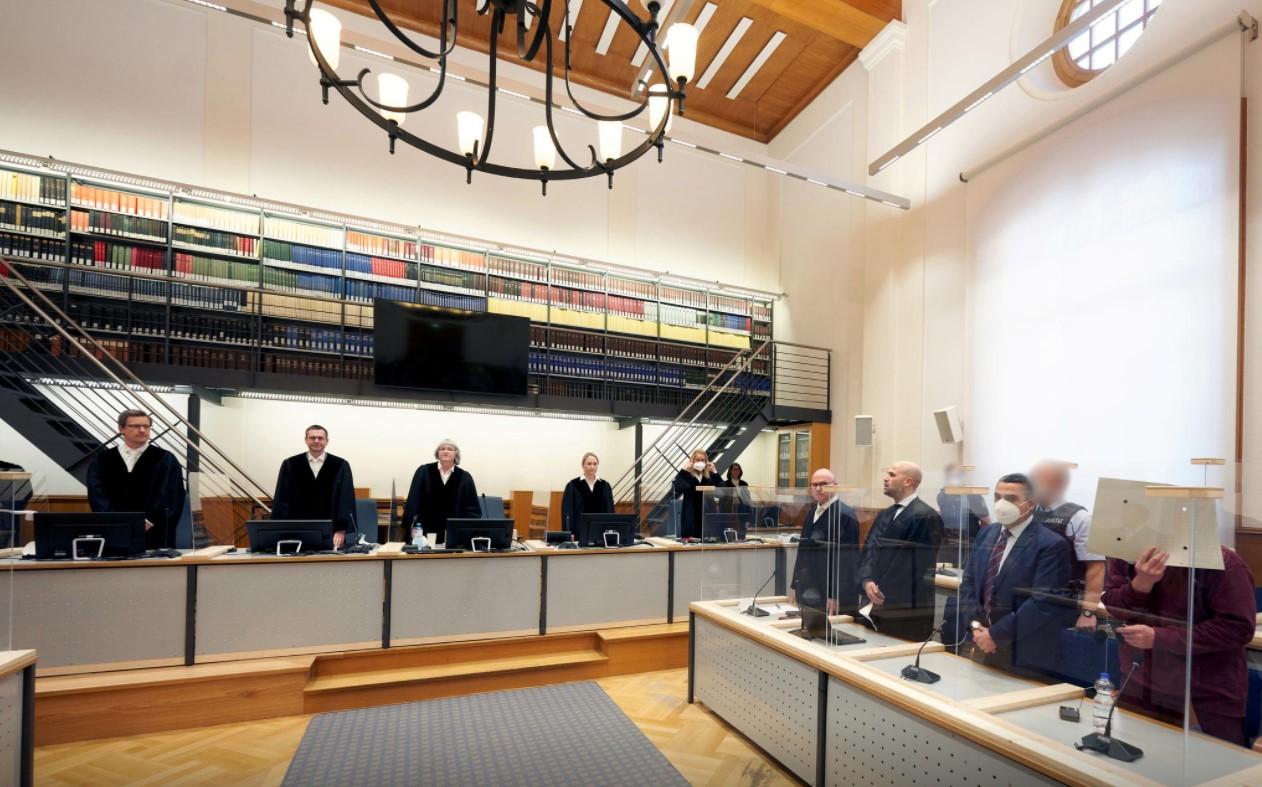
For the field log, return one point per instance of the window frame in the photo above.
(1074, 75)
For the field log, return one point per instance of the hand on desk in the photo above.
(339, 537)
(874, 593)
(981, 638)
(1138, 636)
(793, 597)
(833, 606)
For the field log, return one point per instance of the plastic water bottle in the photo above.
(418, 537)
(1103, 703)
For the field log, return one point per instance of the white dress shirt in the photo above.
(446, 475)
(823, 508)
(315, 463)
(1013, 534)
(902, 505)
(591, 485)
(131, 455)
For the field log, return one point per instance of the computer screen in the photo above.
(56, 534)
(290, 536)
(591, 529)
(461, 532)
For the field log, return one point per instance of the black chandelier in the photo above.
(390, 108)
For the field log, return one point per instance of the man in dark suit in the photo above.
(827, 560)
(317, 485)
(1014, 594)
(896, 567)
(139, 476)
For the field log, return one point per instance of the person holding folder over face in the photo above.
(896, 568)
(139, 476)
(441, 490)
(317, 485)
(586, 494)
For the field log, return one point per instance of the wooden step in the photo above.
(654, 631)
(466, 669)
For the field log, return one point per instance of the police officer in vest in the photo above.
(1071, 522)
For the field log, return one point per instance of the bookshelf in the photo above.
(195, 281)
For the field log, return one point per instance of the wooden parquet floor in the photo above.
(704, 749)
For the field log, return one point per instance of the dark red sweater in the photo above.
(1223, 624)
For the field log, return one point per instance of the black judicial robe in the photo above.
(684, 489)
(331, 495)
(899, 556)
(155, 485)
(828, 556)
(432, 503)
(581, 499)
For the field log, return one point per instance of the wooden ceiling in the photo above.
(820, 39)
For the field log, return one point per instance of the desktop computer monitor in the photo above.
(766, 516)
(714, 527)
(121, 534)
(592, 527)
(462, 532)
(290, 536)
(815, 623)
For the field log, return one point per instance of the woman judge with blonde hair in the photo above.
(587, 494)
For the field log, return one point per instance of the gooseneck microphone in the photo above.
(918, 673)
(1104, 742)
(753, 608)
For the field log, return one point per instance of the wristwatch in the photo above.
(1086, 613)
(975, 625)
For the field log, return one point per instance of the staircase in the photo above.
(723, 419)
(62, 390)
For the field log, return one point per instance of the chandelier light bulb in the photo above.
(545, 151)
(659, 104)
(681, 45)
(610, 139)
(392, 89)
(469, 129)
(325, 33)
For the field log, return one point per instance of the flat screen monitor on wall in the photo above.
(431, 348)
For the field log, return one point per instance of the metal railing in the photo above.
(44, 348)
(712, 421)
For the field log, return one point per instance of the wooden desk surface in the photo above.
(14, 661)
(1032, 750)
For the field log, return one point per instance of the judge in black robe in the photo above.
(431, 502)
(586, 494)
(684, 492)
(304, 493)
(154, 485)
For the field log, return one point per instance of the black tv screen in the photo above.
(449, 349)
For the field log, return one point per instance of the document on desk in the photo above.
(865, 612)
(1126, 520)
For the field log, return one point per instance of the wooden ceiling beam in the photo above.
(834, 18)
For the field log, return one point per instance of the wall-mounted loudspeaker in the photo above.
(949, 429)
(864, 430)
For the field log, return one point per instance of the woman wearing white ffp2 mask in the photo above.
(697, 471)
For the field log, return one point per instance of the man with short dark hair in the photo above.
(1009, 603)
(897, 563)
(317, 485)
(139, 476)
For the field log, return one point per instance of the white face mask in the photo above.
(698, 466)
(1006, 512)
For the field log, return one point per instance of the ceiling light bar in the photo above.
(575, 7)
(998, 82)
(755, 66)
(732, 40)
(606, 35)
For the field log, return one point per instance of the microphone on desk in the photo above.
(918, 673)
(753, 609)
(1104, 742)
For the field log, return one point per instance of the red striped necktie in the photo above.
(992, 569)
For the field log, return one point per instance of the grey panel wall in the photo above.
(603, 589)
(437, 598)
(714, 574)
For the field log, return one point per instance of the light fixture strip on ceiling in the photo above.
(996, 83)
(757, 65)
(732, 40)
(606, 36)
(575, 6)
